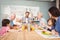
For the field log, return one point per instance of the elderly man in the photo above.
(12, 18)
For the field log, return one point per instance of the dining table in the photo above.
(24, 35)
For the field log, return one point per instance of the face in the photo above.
(27, 14)
(50, 23)
(13, 17)
(39, 15)
(49, 14)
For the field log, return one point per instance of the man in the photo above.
(27, 19)
(12, 18)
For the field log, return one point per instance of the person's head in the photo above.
(27, 14)
(12, 17)
(54, 12)
(5, 22)
(39, 15)
(51, 22)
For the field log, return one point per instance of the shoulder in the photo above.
(23, 17)
(43, 19)
(3, 28)
(58, 20)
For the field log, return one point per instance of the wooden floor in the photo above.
(24, 35)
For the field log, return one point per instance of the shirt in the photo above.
(42, 20)
(3, 30)
(11, 23)
(57, 26)
(27, 20)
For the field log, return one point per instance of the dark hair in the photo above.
(54, 11)
(27, 12)
(5, 22)
(53, 21)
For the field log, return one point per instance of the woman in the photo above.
(55, 14)
(41, 19)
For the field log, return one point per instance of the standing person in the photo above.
(5, 26)
(41, 19)
(26, 19)
(55, 14)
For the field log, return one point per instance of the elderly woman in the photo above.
(41, 19)
(55, 14)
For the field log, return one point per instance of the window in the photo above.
(20, 10)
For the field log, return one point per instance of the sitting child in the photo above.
(51, 23)
(5, 26)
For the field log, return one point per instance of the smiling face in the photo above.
(27, 14)
(49, 14)
(49, 23)
(39, 15)
(12, 17)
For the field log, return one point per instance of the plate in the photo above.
(46, 33)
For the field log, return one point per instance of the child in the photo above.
(5, 26)
(51, 23)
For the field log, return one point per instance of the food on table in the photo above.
(46, 32)
(15, 27)
(32, 28)
(40, 28)
(24, 27)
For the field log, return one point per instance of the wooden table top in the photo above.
(24, 35)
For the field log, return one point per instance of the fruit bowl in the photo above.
(46, 33)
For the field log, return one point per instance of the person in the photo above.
(41, 19)
(51, 23)
(26, 19)
(12, 18)
(55, 14)
(5, 26)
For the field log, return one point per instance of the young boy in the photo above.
(5, 26)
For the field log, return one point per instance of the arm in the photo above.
(57, 26)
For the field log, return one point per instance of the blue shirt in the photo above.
(11, 23)
(57, 26)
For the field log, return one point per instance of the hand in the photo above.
(35, 25)
(42, 23)
(55, 33)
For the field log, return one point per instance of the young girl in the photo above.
(51, 24)
(5, 26)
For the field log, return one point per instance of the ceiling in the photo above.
(27, 0)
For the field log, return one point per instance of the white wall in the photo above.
(44, 6)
